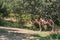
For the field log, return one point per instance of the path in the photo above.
(8, 33)
(20, 30)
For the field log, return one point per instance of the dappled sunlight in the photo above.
(29, 19)
(11, 19)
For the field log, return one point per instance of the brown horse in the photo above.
(43, 22)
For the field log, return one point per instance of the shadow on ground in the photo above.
(5, 35)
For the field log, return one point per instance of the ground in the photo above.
(7, 33)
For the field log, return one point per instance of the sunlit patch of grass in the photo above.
(48, 35)
(28, 25)
(43, 34)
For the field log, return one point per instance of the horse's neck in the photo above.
(37, 21)
(51, 22)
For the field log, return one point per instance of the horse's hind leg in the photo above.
(52, 28)
(45, 27)
(40, 28)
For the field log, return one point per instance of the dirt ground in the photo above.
(7, 33)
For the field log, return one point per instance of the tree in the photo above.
(3, 11)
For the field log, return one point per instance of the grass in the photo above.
(15, 25)
(43, 34)
(9, 24)
(46, 35)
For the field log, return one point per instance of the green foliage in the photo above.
(33, 28)
(25, 10)
(49, 37)
(9, 24)
(26, 16)
(55, 36)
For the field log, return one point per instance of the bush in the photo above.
(55, 36)
(14, 24)
(9, 23)
(33, 27)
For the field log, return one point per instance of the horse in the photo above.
(43, 22)
(47, 21)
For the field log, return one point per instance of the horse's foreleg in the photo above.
(52, 27)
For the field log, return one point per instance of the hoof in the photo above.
(40, 30)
